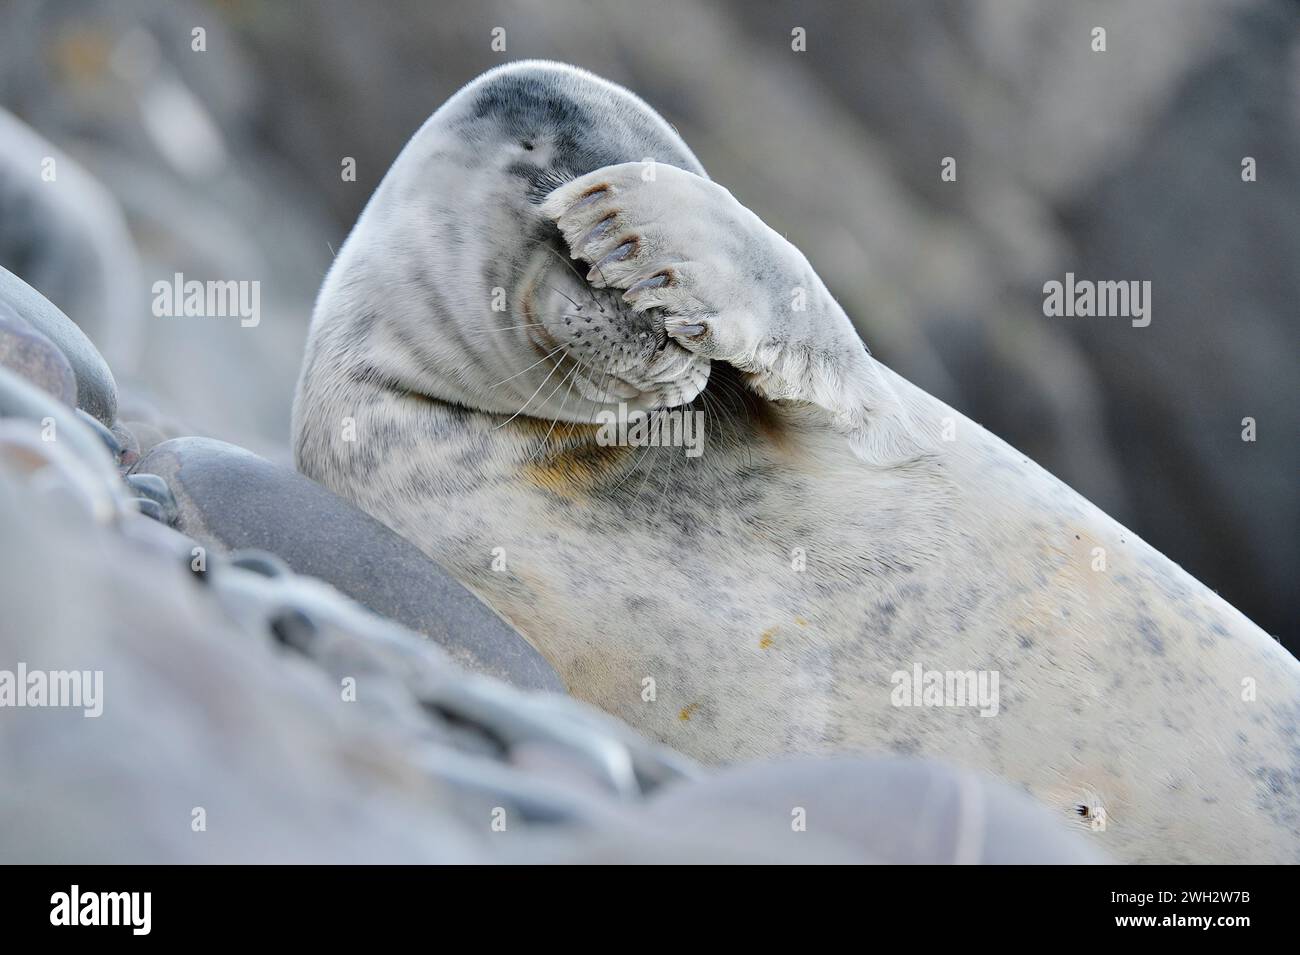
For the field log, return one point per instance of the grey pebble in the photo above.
(230, 499)
(96, 389)
(34, 357)
(19, 398)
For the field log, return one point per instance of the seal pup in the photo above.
(850, 564)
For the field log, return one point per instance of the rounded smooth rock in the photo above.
(154, 488)
(34, 357)
(107, 435)
(96, 389)
(150, 509)
(19, 398)
(889, 809)
(138, 436)
(259, 562)
(126, 440)
(231, 499)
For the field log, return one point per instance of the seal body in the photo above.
(546, 251)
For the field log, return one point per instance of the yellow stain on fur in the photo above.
(765, 638)
(686, 712)
(801, 621)
(572, 465)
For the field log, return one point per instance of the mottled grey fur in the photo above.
(841, 525)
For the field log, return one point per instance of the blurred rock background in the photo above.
(225, 164)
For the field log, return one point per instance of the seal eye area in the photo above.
(527, 144)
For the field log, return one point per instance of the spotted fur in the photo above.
(830, 534)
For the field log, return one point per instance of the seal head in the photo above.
(482, 304)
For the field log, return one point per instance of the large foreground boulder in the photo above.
(230, 499)
(229, 716)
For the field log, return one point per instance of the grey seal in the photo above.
(843, 539)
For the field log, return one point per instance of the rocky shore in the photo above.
(206, 657)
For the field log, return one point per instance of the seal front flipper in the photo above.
(731, 289)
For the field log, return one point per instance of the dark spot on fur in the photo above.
(1150, 633)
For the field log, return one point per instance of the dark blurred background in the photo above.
(225, 164)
